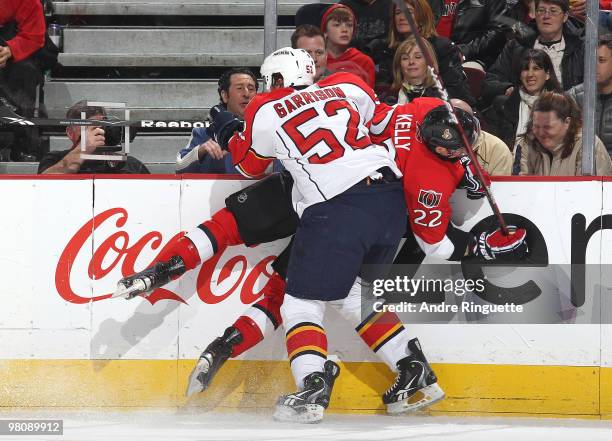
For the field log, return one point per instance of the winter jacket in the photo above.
(535, 160)
(30, 20)
(475, 29)
(503, 115)
(493, 154)
(503, 73)
(603, 114)
(372, 22)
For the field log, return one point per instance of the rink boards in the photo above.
(64, 343)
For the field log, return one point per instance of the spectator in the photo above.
(493, 154)
(448, 55)
(373, 18)
(22, 34)
(507, 117)
(69, 161)
(603, 104)
(411, 75)
(565, 49)
(338, 25)
(237, 86)
(473, 26)
(311, 39)
(552, 145)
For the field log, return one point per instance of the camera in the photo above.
(114, 135)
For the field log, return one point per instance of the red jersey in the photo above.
(30, 26)
(429, 181)
(355, 62)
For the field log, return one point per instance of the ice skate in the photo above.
(416, 385)
(309, 404)
(211, 360)
(150, 279)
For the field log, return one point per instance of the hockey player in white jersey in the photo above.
(352, 212)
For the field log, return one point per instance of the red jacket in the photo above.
(30, 26)
(356, 62)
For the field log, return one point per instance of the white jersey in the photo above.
(320, 134)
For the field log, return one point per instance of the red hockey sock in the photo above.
(223, 229)
(251, 335)
(182, 247)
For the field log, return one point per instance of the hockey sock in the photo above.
(182, 247)
(305, 338)
(215, 234)
(262, 316)
(251, 334)
(384, 333)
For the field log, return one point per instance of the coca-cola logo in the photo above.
(120, 249)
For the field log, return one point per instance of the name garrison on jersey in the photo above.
(470, 307)
(300, 99)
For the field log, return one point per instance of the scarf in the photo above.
(524, 112)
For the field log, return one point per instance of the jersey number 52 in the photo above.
(337, 147)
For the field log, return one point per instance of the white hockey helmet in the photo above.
(295, 65)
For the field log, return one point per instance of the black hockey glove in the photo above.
(475, 189)
(493, 245)
(225, 124)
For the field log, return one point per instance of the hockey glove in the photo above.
(225, 125)
(470, 181)
(493, 245)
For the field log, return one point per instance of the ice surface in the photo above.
(201, 426)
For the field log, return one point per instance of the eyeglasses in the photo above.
(552, 12)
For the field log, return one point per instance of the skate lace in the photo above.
(395, 384)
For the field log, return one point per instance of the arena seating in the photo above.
(162, 58)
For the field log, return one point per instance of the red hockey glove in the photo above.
(491, 245)
(470, 181)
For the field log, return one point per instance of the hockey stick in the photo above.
(438, 81)
(10, 118)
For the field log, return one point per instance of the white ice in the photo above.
(201, 426)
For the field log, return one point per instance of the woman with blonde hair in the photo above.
(448, 55)
(411, 75)
(552, 145)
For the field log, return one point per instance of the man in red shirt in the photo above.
(22, 34)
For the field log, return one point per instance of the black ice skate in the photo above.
(416, 385)
(147, 281)
(212, 359)
(308, 405)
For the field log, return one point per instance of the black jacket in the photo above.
(372, 22)
(449, 62)
(476, 31)
(603, 114)
(502, 117)
(130, 166)
(504, 71)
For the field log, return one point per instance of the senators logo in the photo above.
(429, 198)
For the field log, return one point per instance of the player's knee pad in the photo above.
(264, 211)
(295, 311)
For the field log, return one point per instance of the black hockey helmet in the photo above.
(438, 129)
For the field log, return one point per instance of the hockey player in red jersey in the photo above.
(428, 151)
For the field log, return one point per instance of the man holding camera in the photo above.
(70, 161)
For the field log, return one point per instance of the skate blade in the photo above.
(195, 385)
(312, 414)
(129, 292)
(421, 399)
